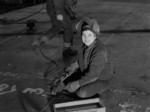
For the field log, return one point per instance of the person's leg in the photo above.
(93, 88)
(55, 28)
(68, 36)
(56, 25)
(75, 76)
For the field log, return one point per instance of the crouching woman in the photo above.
(92, 73)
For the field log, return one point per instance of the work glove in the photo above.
(59, 17)
(71, 69)
(72, 87)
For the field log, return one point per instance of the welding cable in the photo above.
(12, 36)
(53, 62)
(51, 100)
(3, 41)
(28, 15)
(47, 58)
(47, 105)
(53, 97)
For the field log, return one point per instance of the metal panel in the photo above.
(88, 105)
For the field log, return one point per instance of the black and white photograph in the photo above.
(74, 55)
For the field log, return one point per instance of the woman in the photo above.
(92, 73)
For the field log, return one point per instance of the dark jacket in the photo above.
(62, 6)
(59, 6)
(95, 63)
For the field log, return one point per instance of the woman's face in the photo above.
(88, 37)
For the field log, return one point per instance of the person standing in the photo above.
(61, 12)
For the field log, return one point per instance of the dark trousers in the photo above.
(66, 23)
(94, 88)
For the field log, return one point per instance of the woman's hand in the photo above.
(72, 87)
(70, 69)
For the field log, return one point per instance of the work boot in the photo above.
(69, 52)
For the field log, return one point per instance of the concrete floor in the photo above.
(125, 32)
